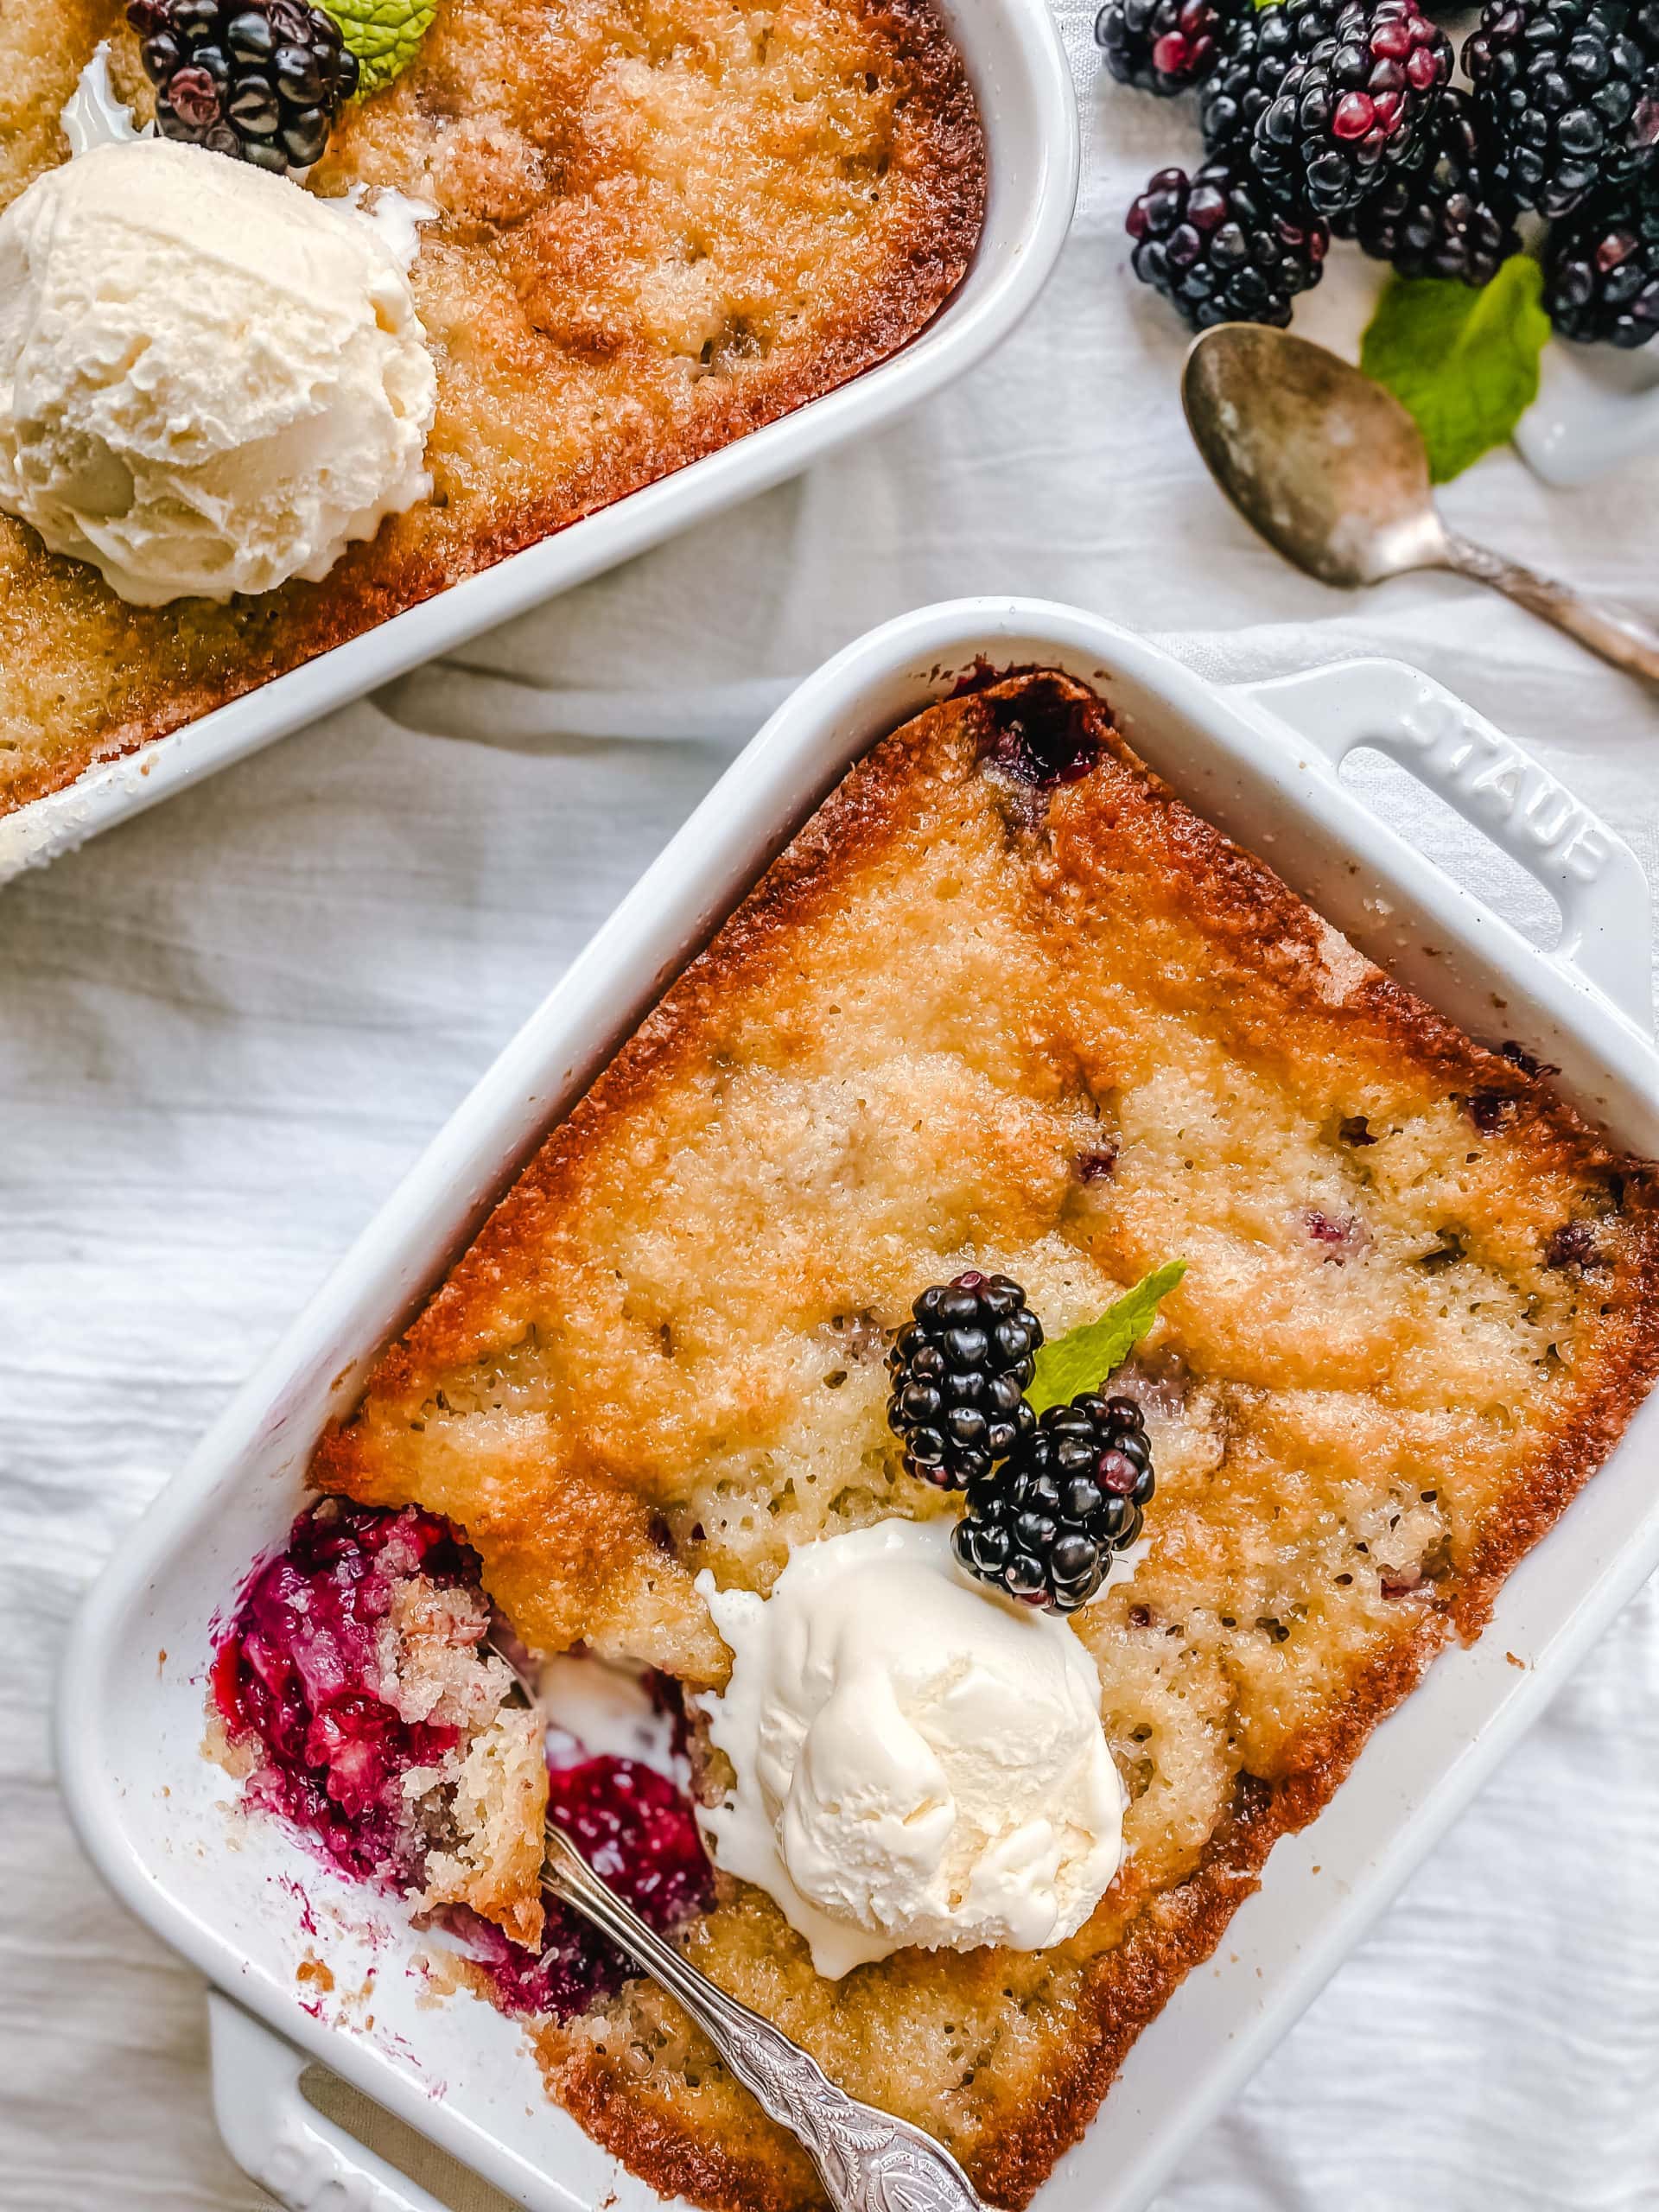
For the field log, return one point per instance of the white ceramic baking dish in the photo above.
(1022, 81)
(248, 1907)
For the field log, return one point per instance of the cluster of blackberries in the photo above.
(1339, 115)
(262, 80)
(1050, 1500)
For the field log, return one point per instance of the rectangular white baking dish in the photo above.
(1017, 65)
(247, 1906)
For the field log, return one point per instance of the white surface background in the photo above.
(226, 1030)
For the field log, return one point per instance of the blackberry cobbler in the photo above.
(833, 1362)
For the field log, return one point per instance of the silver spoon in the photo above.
(867, 2160)
(1332, 471)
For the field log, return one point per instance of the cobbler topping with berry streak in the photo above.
(1342, 1235)
(1490, 1110)
(1572, 1245)
(636, 1829)
(1043, 737)
(300, 1674)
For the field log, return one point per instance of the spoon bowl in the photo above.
(1324, 462)
(1334, 472)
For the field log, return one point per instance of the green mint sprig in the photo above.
(384, 35)
(1083, 1357)
(1463, 363)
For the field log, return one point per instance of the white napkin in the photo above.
(226, 1028)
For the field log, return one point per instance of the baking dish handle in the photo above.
(1586, 868)
(283, 2142)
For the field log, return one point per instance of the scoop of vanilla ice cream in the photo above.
(210, 380)
(918, 1761)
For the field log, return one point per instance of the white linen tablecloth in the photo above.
(228, 1027)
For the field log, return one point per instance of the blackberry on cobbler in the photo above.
(1567, 91)
(1601, 269)
(1161, 45)
(1452, 217)
(1044, 1527)
(262, 80)
(1354, 106)
(960, 1372)
(1219, 250)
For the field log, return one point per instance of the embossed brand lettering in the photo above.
(1584, 852)
(1502, 780)
(1496, 781)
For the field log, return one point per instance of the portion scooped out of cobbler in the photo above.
(354, 1688)
(357, 1694)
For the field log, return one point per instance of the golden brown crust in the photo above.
(773, 2175)
(1130, 1986)
(1361, 1421)
(1125, 1991)
(559, 242)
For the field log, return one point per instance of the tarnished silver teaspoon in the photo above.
(869, 2161)
(1332, 472)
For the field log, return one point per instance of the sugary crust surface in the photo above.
(663, 223)
(1070, 1033)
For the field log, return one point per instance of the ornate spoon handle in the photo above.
(869, 2162)
(1613, 631)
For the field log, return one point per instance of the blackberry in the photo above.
(1216, 247)
(1567, 91)
(1159, 46)
(1355, 106)
(1451, 217)
(262, 80)
(1261, 45)
(1044, 1528)
(1601, 270)
(960, 1371)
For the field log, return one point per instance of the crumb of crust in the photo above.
(658, 230)
(313, 1973)
(1373, 1391)
(238, 1760)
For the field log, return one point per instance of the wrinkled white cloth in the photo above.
(227, 1029)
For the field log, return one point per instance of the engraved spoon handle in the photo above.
(1617, 635)
(869, 2161)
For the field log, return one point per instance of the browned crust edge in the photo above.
(1127, 1987)
(936, 254)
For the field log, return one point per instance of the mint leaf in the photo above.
(1463, 363)
(1085, 1356)
(383, 34)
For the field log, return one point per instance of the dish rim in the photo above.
(1016, 61)
(831, 719)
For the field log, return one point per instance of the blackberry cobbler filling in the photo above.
(356, 1677)
(303, 1671)
(640, 1832)
(1043, 737)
